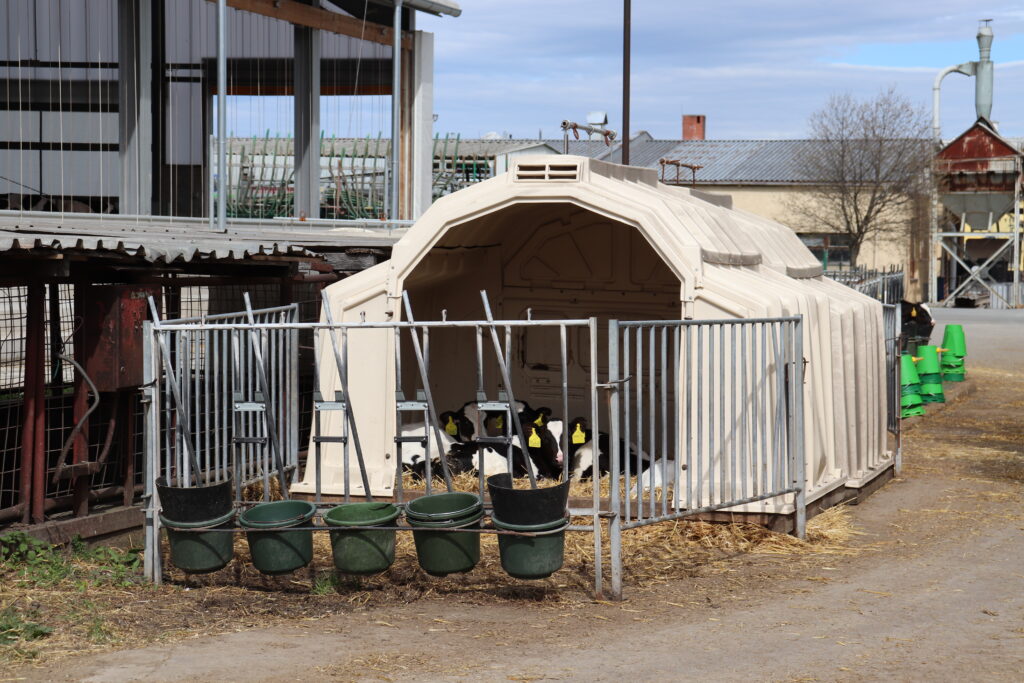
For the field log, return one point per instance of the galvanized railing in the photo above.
(885, 285)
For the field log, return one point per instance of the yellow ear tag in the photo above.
(451, 427)
(534, 440)
(913, 312)
(539, 421)
(578, 436)
(500, 422)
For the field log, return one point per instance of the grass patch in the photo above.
(44, 587)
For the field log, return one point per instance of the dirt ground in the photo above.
(930, 587)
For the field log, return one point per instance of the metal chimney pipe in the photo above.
(983, 78)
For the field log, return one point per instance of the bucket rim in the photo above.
(478, 504)
(552, 527)
(493, 484)
(446, 524)
(377, 521)
(161, 483)
(288, 521)
(217, 521)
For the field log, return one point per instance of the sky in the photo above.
(754, 68)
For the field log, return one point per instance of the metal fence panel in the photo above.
(703, 415)
(221, 387)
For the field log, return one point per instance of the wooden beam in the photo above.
(313, 17)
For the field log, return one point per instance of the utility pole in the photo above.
(627, 11)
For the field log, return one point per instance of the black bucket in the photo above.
(194, 504)
(525, 505)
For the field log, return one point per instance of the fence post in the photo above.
(614, 410)
(796, 434)
(152, 564)
(595, 473)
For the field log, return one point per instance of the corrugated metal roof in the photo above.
(740, 161)
(166, 240)
(154, 250)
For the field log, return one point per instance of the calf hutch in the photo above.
(651, 331)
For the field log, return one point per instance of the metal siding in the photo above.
(78, 127)
(20, 168)
(96, 174)
(19, 125)
(19, 28)
(184, 129)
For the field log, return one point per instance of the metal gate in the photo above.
(893, 343)
(704, 415)
(220, 396)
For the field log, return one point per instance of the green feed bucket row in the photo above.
(280, 540)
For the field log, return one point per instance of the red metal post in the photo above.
(126, 407)
(34, 441)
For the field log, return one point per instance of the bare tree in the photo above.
(865, 163)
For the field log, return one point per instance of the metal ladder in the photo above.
(320, 406)
(241, 436)
(503, 404)
(419, 405)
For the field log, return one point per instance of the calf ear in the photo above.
(580, 422)
(467, 425)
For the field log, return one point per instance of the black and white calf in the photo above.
(414, 452)
(581, 454)
(467, 454)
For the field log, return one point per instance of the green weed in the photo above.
(14, 627)
(325, 583)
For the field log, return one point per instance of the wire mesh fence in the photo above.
(111, 436)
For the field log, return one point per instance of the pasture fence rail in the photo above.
(724, 399)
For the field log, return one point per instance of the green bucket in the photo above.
(912, 411)
(277, 550)
(932, 393)
(910, 395)
(908, 371)
(200, 552)
(953, 340)
(362, 551)
(929, 363)
(532, 557)
(441, 552)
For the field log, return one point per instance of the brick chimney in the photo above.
(693, 126)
